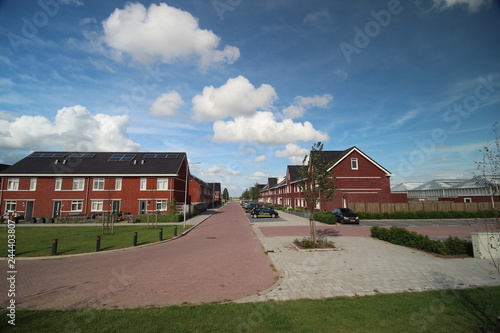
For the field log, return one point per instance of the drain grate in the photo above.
(211, 237)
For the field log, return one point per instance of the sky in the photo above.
(245, 88)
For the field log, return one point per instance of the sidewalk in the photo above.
(363, 266)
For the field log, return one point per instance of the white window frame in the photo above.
(98, 184)
(354, 163)
(97, 205)
(13, 184)
(144, 184)
(10, 205)
(33, 184)
(118, 184)
(162, 184)
(161, 204)
(467, 200)
(76, 205)
(58, 185)
(78, 184)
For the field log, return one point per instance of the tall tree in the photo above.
(316, 183)
(225, 194)
(255, 193)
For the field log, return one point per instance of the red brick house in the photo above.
(71, 183)
(358, 177)
(201, 194)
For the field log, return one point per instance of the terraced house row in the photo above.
(358, 177)
(53, 184)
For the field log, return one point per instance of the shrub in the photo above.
(325, 217)
(307, 243)
(404, 237)
(402, 215)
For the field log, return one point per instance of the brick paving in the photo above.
(220, 260)
(363, 266)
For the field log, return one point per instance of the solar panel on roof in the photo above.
(58, 155)
(161, 155)
(121, 157)
(76, 155)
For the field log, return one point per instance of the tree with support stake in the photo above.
(316, 183)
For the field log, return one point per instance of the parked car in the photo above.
(345, 215)
(256, 212)
(251, 206)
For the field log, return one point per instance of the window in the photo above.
(76, 205)
(98, 184)
(10, 205)
(33, 184)
(96, 205)
(354, 163)
(118, 184)
(78, 184)
(13, 184)
(161, 204)
(162, 184)
(467, 200)
(58, 184)
(143, 184)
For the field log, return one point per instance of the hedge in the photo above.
(325, 217)
(427, 215)
(404, 237)
(163, 218)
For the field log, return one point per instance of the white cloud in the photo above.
(217, 171)
(294, 153)
(472, 5)
(74, 128)
(167, 104)
(263, 128)
(260, 158)
(238, 97)
(163, 33)
(301, 104)
(259, 175)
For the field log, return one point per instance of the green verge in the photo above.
(428, 215)
(466, 310)
(37, 241)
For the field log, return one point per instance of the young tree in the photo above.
(245, 195)
(225, 195)
(316, 183)
(255, 193)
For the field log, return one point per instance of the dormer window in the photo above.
(354, 164)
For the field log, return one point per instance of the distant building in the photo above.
(476, 189)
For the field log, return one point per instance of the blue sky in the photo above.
(246, 87)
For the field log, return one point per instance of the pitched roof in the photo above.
(215, 186)
(404, 187)
(97, 163)
(337, 156)
(439, 184)
(293, 171)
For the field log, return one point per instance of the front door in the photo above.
(116, 206)
(142, 206)
(57, 209)
(28, 214)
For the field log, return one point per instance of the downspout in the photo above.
(87, 195)
(1, 194)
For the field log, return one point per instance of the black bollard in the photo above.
(98, 244)
(135, 238)
(160, 234)
(54, 246)
(175, 231)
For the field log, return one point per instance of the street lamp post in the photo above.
(186, 189)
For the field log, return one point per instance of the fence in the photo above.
(377, 207)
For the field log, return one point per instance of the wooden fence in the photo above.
(377, 207)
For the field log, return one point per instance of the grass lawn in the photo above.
(469, 310)
(37, 241)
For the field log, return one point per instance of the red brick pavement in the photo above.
(221, 259)
(364, 231)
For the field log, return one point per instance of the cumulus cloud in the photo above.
(301, 104)
(293, 152)
(237, 97)
(163, 33)
(217, 171)
(260, 158)
(263, 128)
(167, 104)
(472, 5)
(259, 175)
(74, 128)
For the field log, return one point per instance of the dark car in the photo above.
(345, 215)
(248, 207)
(256, 212)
